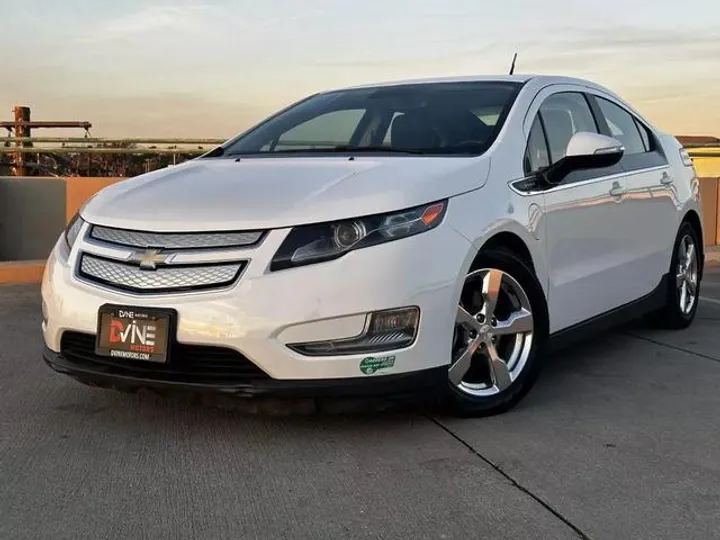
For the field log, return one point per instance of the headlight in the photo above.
(73, 230)
(326, 241)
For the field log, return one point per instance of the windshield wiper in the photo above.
(342, 149)
(347, 148)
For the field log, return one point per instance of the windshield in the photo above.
(457, 118)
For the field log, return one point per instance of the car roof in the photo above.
(547, 79)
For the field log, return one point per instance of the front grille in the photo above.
(131, 277)
(187, 363)
(177, 241)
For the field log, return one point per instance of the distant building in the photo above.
(698, 139)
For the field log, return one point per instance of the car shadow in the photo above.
(151, 404)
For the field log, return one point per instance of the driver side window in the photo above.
(560, 117)
(564, 115)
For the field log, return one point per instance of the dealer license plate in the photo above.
(134, 333)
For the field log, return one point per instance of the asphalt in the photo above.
(619, 439)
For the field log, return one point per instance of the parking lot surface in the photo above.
(619, 439)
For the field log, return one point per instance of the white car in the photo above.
(433, 235)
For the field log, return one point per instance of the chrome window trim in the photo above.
(579, 183)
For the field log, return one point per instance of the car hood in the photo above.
(264, 193)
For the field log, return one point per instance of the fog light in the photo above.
(384, 331)
(44, 312)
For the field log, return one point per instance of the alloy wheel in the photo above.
(493, 333)
(686, 277)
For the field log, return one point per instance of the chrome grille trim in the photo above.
(185, 257)
(164, 279)
(176, 240)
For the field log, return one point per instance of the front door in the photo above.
(585, 238)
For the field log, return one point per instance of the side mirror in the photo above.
(585, 151)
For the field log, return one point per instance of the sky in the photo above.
(212, 68)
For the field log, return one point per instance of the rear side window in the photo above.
(623, 127)
(564, 115)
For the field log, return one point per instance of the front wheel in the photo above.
(500, 330)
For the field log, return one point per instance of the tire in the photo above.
(674, 315)
(474, 388)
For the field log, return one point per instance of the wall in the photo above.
(709, 195)
(33, 214)
(32, 210)
(707, 164)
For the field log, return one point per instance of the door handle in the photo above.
(617, 190)
(666, 179)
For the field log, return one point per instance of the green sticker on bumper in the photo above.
(371, 364)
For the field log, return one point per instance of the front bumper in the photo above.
(120, 378)
(264, 312)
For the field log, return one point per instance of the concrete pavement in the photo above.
(619, 439)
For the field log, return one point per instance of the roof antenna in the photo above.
(512, 66)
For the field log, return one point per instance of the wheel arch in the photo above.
(512, 242)
(693, 218)
(512, 236)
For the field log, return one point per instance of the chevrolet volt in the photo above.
(440, 235)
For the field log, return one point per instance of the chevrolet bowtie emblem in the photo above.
(150, 258)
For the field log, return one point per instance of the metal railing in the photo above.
(134, 146)
(117, 146)
(96, 140)
(177, 146)
(95, 150)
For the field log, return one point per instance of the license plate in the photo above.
(134, 333)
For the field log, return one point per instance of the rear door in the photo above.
(649, 211)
